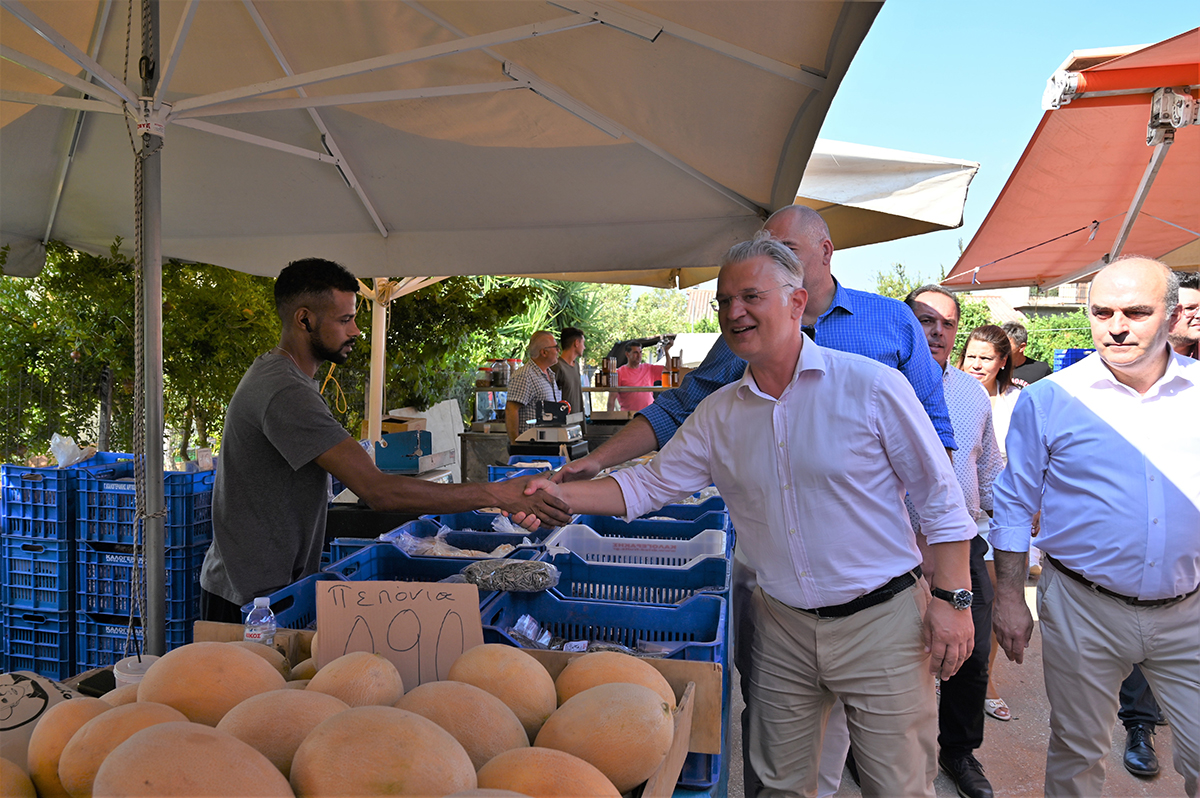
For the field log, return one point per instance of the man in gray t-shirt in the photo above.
(281, 443)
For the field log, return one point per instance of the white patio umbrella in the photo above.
(408, 139)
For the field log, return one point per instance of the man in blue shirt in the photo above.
(1109, 451)
(836, 317)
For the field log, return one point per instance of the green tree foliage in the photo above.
(1057, 331)
(897, 283)
(975, 313)
(77, 323)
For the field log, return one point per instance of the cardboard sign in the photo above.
(24, 698)
(421, 627)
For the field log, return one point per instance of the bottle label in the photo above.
(260, 636)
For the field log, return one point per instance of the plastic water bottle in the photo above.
(260, 623)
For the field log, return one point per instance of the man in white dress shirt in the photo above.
(1109, 450)
(813, 451)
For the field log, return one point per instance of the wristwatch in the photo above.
(959, 599)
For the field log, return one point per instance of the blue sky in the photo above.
(964, 80)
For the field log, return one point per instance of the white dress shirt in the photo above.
(815, 480)
(1115, 473)
(977, 461)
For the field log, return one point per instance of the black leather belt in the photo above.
(898, 585)
(1131, 601)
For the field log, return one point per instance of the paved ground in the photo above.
(1014, 753)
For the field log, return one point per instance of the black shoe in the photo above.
(967, 775)
(852, 766)
(1140, 759)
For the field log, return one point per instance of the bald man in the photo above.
(1109, 451)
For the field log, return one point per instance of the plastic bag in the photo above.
(66, 452)
(435, 546)
(515, 576)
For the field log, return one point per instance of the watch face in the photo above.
(962, 599)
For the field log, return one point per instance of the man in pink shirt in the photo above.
(636, 373)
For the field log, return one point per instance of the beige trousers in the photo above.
(874, 661)
(1090, 643)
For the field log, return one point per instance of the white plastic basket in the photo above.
(650, 552)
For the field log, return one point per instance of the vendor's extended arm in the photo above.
(353, 467)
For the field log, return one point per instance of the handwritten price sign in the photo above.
(421, 627)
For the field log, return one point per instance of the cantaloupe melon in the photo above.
(125, 694)
(361, 679)
(622, 729)
(187, 759)
(14, 783)
(545, 773)
(88, 747)
(300, 684)
(482, 723)
(305, 669)
(604, 667)
(269, 653)
(373, 750)
(514, 677)
(206, 680)
(480, 792)
(51, 735)
(275, 723)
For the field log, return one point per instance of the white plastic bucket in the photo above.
(130, 670)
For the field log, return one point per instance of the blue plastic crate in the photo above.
(555, 461)
(470, 538)
(295, 606)
(107, 505)
(473, 520)
(41, 642)
(670, 529)
(42, 499)
(104, 571)
(100, 639)
(690, 512)
(637, 584)
(499, 473)
(1068, 357)
(384, 561)
(344, 547)
(693, 630)
(38, 574)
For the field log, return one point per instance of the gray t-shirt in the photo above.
(270, 497)
(567, 378)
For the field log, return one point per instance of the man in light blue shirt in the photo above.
(1109, 450)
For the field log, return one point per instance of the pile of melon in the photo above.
(221, 719)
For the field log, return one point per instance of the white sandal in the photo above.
(997, 709)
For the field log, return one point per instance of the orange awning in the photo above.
(1060, 213)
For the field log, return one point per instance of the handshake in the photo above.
(544, 498)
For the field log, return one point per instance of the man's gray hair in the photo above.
(762, 245)
(1016, 332)
(537, 342)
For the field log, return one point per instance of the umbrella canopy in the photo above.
(1087, 187)
(437, 138)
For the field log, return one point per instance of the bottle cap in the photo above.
(262, 601)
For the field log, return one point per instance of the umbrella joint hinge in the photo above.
(1169, 111)
(152, 120)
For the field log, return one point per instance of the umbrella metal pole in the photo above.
(154, 624)
(379, 311)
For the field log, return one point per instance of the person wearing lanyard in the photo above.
(533, 382)
(1109, 451)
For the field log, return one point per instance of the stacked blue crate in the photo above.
(1068, 357)
(107, 560)
(37, 577)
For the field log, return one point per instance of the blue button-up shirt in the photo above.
(1115, 473)
(863, 323)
